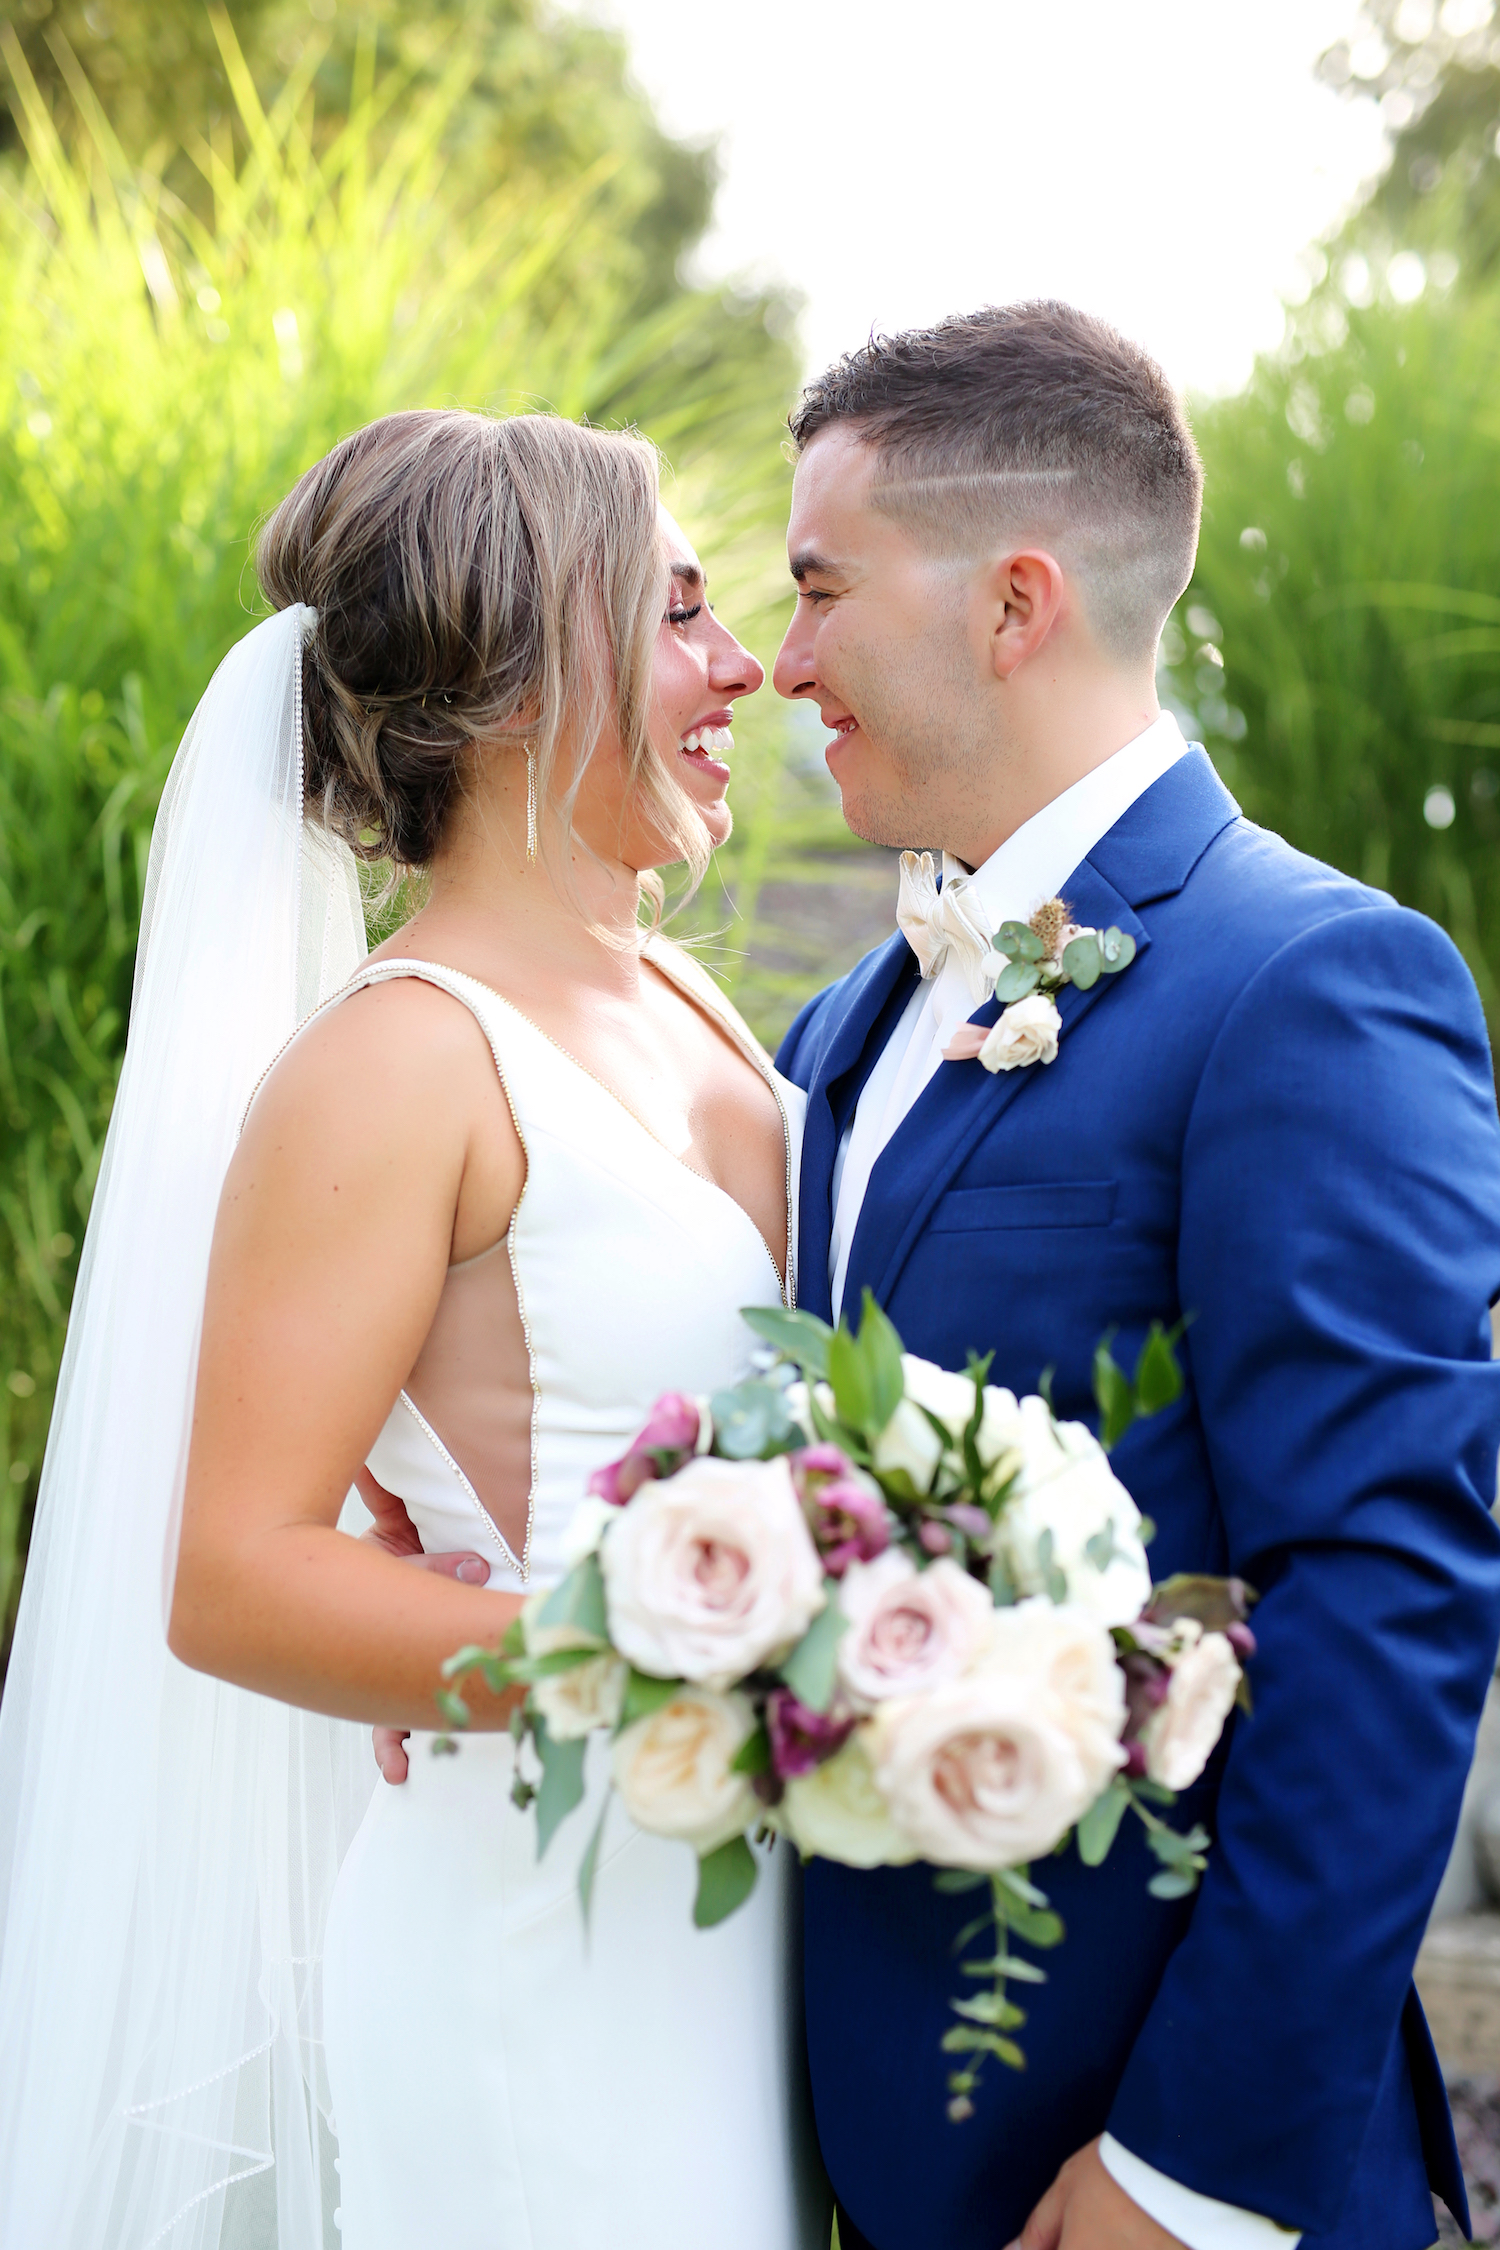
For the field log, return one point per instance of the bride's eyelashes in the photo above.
(684, 616)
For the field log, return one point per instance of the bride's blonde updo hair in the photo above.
(478, 582)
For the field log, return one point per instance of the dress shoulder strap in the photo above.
(681, 968)
(467, 990)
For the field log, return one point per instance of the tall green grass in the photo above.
(163, 379)
(1340, 644)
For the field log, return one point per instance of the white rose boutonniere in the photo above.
(1032, 961)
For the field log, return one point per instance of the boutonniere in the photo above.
(1031, 961)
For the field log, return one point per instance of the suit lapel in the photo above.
(961, 1104)
(868, 1006)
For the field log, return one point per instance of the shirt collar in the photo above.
(1030, 865)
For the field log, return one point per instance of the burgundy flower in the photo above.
(658, 1450)
(935, 1537)
(801, 1739)
(845, 1512)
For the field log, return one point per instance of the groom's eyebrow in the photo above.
(807, 562)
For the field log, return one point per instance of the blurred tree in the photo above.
(1435, 71)
(547, 98)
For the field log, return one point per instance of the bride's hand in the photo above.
(394, 1530)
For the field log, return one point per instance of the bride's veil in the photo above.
(168, 1844)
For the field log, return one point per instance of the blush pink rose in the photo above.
(711, 1573)
(909, 1629)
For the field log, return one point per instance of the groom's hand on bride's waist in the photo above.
(1085, 2209)
(394, 1530)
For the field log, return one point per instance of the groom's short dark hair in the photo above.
(1034, 420)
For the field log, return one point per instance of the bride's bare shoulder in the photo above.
(394, 1059)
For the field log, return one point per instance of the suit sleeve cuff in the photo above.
(1197, 2220)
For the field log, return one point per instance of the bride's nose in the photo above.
(733, 671)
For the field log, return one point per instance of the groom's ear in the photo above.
(1021, 598)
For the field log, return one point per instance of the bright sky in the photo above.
(1162, 163)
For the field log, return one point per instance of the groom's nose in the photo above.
(794, 672)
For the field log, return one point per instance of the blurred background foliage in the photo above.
(1339, 649)
(228, 237)
(216, 256)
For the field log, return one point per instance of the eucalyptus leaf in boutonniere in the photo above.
(1032, 962)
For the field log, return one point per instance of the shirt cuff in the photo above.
(1198, 2220)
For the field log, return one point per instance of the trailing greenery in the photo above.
(166, 372)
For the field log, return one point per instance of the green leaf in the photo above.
(751, 1422)
(1215, 1602)
(453, 1707)
(562, 1783)
(514, 1640)
(1003, 1590)
(1083, 961)
(811, 1670)
(1010, 1965)
(1015, 1880)
(1036, 1928)
(1173, 1883)
(725, 1880)
(1101, 1548)
(966, 2039)
(1116, 951)
(881, 1348)
(800, 1336)
(992, 2008)
(588, 1866)
(643, 1695)
(1019, 942)
(1158, 1378)
(1017, 982)
(753, 1754)
(579, 1601)
(1101, 1823)
(956, 1880)
(1113, 1393)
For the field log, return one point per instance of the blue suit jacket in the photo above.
(1280, 1120)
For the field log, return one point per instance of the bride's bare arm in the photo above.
(380, 1150)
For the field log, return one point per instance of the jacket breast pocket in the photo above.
(1029, 1203)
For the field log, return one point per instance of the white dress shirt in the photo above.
(1030, 866)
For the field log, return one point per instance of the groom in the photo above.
(1279, 1125)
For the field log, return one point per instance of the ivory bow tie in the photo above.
(939, 923)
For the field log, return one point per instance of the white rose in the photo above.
(712, 1573)
(909, 1442)
(837, 1812)
(673, 1769)
(586, 1528)
(1180, 1734)
(1067, 1488)
(1026, 1033)
(950, 1397)
(998, 1437)
(795, 1398)
(591, 1695)
(909, 1629)
(983, 1772)
(1073, 1655)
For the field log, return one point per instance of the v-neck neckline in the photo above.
(786, 1280)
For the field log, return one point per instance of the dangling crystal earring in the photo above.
(530, 802)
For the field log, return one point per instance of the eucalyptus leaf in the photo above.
(992, 2008)
(562, 1783)
(811, 1671)
(1008, 1965)
(453, 1707)
(1101, 1824)
(801, 1336)
(1083, 961)
(1117, 951)
(1017, 982)
(957, 1880)
(725, 1880)
(1173, 1883)
(751, 1422)
(1019, 941)
(969, 2039)
(1016, 1881)
(1037, 1928)
(579, 1601)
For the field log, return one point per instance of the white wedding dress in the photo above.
(500, 2079)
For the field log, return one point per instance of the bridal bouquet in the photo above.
(892, 1613)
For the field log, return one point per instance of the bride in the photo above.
(511, 1178)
